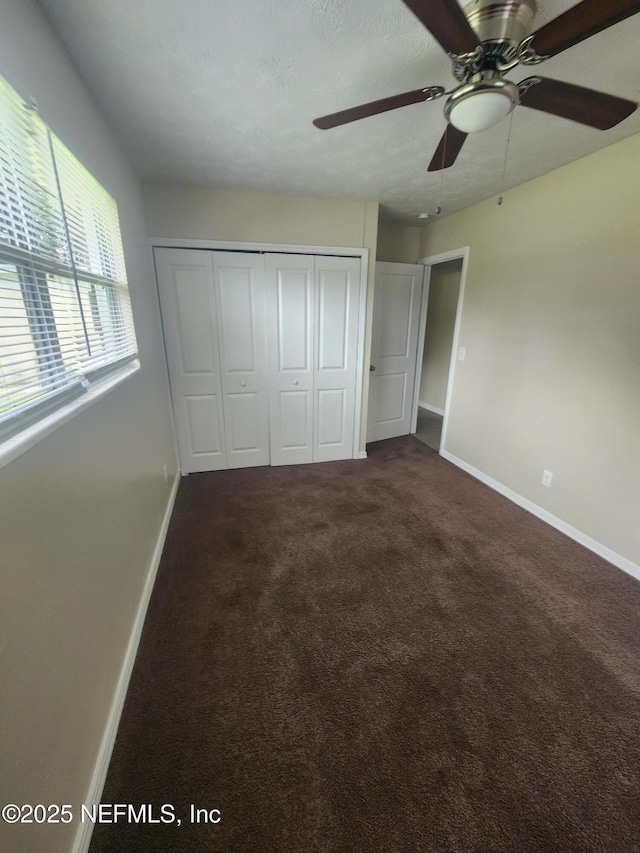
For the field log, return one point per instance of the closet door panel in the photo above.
(240, 294)
(337, 297)
(293, 416)
(185, 284)
(333, 316)
(243, 413)
(294, 298)
(331, 417)
(290, 288)
(203, 421)
(193, 321)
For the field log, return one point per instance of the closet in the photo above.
(262, 355)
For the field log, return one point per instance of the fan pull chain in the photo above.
(506, 152)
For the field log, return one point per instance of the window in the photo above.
(65, 315)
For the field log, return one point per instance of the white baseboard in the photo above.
(430, 408)
(83, 834)
(601, 550)
(362, 454)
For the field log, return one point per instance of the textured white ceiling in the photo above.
(223, 92)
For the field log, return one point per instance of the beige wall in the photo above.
(398, 244)
(81, 511)
(441, 319)
(551, 323)
(201, 213)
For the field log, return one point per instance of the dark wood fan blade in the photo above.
(576, 103)
(447, 23)
(373, 108)
(580, 22)
(448, 149)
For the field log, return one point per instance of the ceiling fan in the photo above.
(485, 41)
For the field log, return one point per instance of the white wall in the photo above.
(550, 323)
(81, 511)
(203, 213)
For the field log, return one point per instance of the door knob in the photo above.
(372, 367)
(295, 381)
(244, 384)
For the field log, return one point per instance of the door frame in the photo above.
(429, 262)
(293, 249)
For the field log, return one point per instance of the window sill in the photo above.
(14, 447)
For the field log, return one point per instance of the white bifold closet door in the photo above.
(213, 314)
(312, 318)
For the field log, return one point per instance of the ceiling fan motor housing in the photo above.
(502, 21)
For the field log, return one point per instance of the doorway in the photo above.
(437, 346)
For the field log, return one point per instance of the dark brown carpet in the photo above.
(379, 656)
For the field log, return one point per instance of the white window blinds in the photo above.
(65, 315)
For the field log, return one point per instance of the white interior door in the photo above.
(240, 303)
(185, 283)
(290, 310)
(337, 296)
(396, 314)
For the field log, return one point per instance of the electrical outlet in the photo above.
(547, 477)
(164, 471)
(462, 353)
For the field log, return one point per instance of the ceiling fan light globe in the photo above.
(481, 103)
(480, 111)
